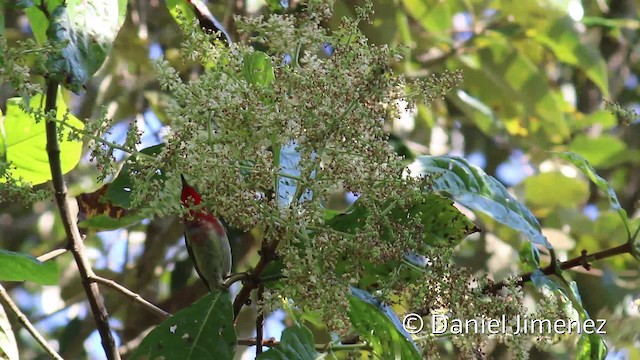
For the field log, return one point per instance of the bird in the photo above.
(206, 240)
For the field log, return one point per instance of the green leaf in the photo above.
(530, 256)
(86, 31)
(380, 327)
(204, 330)
(22, 267)
(8, 344)
(26, 141)
(37, 19)
(552, 189)
(434, 16)
(600, 151)
(296, 344)
(191, 10)
(257, 68)
(583, 165)
(501, 71)
(563, 38)
(277, 5)
(119, 193)
(590, 346)
(180, 10)
(457, 179)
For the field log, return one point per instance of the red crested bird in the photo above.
(206, 240)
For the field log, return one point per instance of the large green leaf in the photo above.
(202, 331)
(21, 267)
(457, 179)
(8, 344)
(296, 344)
(85, 30)
(39, 22)
(25, 141)
(380, 327)
(583, 165)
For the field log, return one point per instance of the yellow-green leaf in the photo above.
(26, 140)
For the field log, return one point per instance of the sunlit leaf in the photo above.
(26, 141)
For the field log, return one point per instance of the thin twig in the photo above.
(22, 319)
(51, 254)
(131, 295)
(272, 342)
(76, 246)
(584, 260)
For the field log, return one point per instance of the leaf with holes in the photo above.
(204, 330)
(468, 185)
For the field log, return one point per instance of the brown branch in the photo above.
(271, 342)
(584, 260)
(267, 255)
(76, 246)
(22, 319)
(131, 295)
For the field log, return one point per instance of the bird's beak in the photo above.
(184, 182)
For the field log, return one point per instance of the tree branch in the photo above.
(76, 246)
(6, 300)
(131, 295)
(252, 281)
(583, 260)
